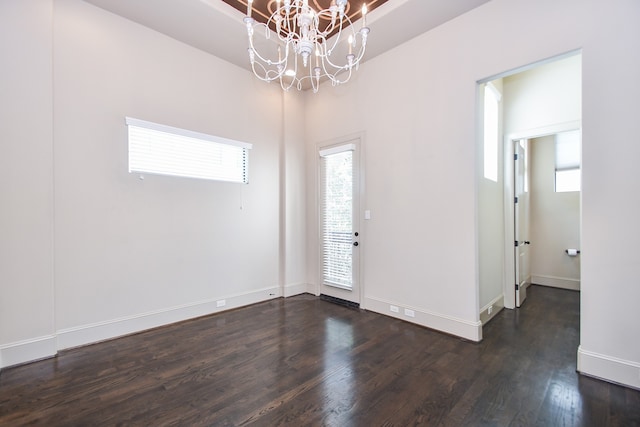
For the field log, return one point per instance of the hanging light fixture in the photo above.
(305, 53)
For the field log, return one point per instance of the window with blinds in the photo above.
(568, 161)
(337, 216)
(166, 150)
(491, 131)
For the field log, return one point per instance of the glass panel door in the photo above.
(338, 221)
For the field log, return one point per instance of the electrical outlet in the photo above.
(394, 308)
(490, 309)
(221, 303)
(409, 313)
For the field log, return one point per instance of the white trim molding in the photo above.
(496, 306)
(556, 282)
(294, 289)
(101, 331)
(20, 352)
(609, 368)
(459, 327)
(313, 289)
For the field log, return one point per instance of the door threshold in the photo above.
(339, 301)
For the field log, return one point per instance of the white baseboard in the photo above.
(556, 282)
(494, 306)
(609, 368)
(25, 351)
(313, 289)
(87, 334)
(462, 328)
(295, 289)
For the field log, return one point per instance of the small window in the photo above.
(567, 180)
(165, 150)
(568, 162)
(491, 131)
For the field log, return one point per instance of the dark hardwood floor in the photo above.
(304, 361)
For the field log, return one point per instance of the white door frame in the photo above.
(509, 194)
(358, 140)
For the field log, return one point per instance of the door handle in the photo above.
(355, 243)
(526, 242)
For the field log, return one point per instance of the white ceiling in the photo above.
(215, 27)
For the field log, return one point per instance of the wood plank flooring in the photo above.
(304, 361)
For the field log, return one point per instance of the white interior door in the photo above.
(521, 221)
(339, 221)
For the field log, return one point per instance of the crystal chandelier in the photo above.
(305, 52)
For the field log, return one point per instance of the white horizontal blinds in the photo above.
(568, 161)
(568, 150)
(337, 216)
(165, 150)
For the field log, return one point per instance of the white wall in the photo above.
(113, 253)
(26, 190)
(546, 95)
(420, 124)
(293, 219)
(127, 247)
(555, 221)
(419, 249)
(609, 329)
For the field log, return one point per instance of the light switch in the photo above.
(367, 214)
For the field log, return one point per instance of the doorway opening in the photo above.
(545, 202)
(536, 102)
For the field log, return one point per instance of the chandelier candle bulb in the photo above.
(364, 15)
(249, 7)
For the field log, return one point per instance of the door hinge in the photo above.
(517, 287)
(516, 244)
(515, 200)
(515, 156)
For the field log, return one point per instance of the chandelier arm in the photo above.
(259, 56)
(356, 58)
(263, 73)
(363, 47)
(335, 81)
(284, 87)
(314, 82)
(333, 76)
(336, 38)
(332, 22)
